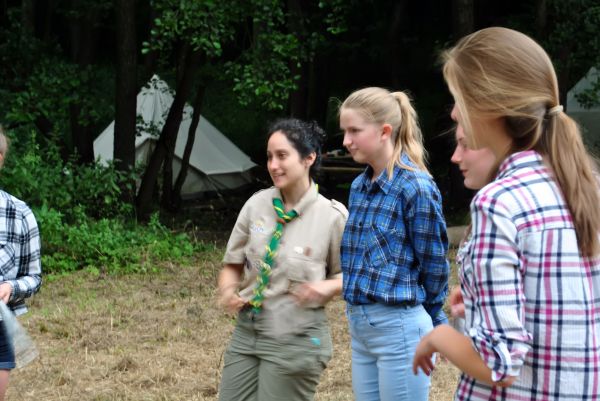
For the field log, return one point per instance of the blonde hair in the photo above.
(3, 146)
(380, 106)
(502, 73)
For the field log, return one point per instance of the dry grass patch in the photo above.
(150, 337)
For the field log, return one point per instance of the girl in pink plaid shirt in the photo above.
(530, 272)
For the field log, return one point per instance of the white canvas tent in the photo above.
(588, 119)
(215, 163)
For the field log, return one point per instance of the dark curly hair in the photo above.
(305, 136)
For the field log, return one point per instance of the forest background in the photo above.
(70, 67)
(127, 309)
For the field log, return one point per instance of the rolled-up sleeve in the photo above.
(29, 265)
(235, 251)
(498, 333)
(334, 269)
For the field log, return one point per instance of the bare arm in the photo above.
(457, 349)
(229, 280)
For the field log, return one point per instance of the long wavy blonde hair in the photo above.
(3, 146)
(380, 106)
(502, 73)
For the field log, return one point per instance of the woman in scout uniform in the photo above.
(280, 267)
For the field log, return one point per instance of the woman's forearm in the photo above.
(457, 348)
(229, 277)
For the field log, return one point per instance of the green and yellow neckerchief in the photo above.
(266, 265)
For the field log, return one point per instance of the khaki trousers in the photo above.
(262, 367)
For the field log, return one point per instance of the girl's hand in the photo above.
(423, 356)
(5, 291)
(457, 304)
(230, 301)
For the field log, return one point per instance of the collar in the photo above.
(307, 199)
(383, 181)
(518, 160)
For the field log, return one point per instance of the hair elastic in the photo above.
(554, 110)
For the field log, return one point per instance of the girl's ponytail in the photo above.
(409, 138)
(574, 171)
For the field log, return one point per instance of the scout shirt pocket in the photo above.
(259, 236)
(7, 258)
(303, 269)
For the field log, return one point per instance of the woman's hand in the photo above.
(5, 292)
(230, 300)
(424, 356)
(317, 293)
(457, 304)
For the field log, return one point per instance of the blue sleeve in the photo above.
(427, 227)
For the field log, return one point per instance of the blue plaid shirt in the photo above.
(394, 245)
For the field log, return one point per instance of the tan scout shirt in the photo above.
(309, 249)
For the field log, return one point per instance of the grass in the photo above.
(151, 337)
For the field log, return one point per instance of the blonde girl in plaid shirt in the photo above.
(393, 251)
(20, 267)
(530, 274)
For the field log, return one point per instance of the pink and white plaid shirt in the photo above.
(532, 300)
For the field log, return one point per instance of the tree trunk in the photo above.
(151, 58)
(167, 179)
(28, 16)
(126, 85)
(82, 137)
(167, 199)
(318, 89)
(82, 42)
(3, 12)
(462, 17)
(47, 27)
(299, 97)
(541, 14)
(189, 145)
(167, 139)
(395, 42)
(126, 90)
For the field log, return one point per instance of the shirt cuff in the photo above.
(494, 351)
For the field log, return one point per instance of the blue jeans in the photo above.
(7, 354)
(384, 339)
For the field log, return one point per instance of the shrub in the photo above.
(83, 222)
(42, 178)
(109, 245)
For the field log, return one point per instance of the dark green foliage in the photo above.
(38, 82)
(82, 221)
(42, 178)
(109, 245)
(260, 59)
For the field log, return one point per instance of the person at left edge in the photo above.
(281, 342)
(20, 264)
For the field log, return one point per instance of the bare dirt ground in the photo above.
(151, 337)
